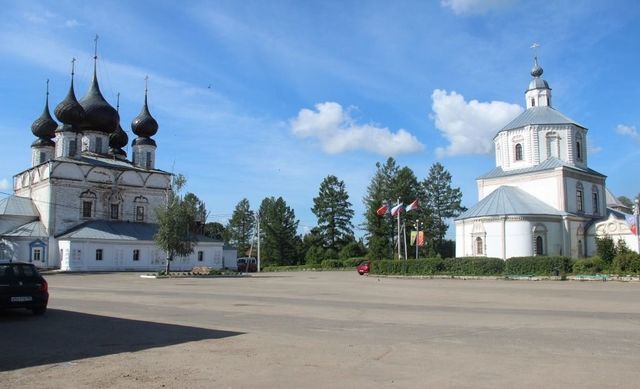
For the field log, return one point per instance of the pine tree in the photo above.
(240, 228)
(380, 228)
(440, 202)
(278, 226)
(333, 209)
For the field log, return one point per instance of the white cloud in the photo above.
(4, 184)
(460, 7)
(339, 133)
(71, 23)
(469, 126)
(629, 131)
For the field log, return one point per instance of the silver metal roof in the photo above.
(18, 206)
(538, 83)
(116, 230)
(539, 115)
(509, 200)
(30, 230)
(548, 164)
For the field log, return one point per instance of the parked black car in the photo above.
(21, 286)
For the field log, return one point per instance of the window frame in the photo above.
(99, 254)
(136, 255)
(519, 155)
(116, 207)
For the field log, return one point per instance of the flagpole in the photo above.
(417, 235)
(638, 223)
(404, 233)
(398, 212)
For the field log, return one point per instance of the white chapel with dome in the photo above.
(82, 205)
(541, 198)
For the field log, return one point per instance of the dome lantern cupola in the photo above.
(145, 126)
(44, 127)
(100, 116)
(69, 111)
(119, 139)
(538, 93)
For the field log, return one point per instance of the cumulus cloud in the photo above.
(469, 126)
(460, 7)
(337, 132)
(4, 184)
(629, 131)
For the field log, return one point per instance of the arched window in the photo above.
(579, 197)
(595, 199)
(87, 204)
(539, 234)
(140, 205)
(479, 246)
(518, 152)
(578, 151)
(539, 246)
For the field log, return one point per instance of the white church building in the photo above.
(82, 205)
(541, 198)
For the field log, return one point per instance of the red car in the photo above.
(363, 268)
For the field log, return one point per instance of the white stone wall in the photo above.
(116, 255)
(508, 238)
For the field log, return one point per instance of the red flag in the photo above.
(382, 210)
(414, 205)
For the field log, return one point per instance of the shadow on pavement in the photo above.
(63, 336)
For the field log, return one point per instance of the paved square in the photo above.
(323, 330)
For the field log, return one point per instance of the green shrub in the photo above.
(429, 266)
(352, 249)
(314, 255)
(593, 265)
(605, 248)
(474, 266)
(539, 266)
(627, 263)
(331, 264)
(353, 262)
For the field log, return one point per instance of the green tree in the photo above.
(334, 213)
(380, 227)
(440, 202)
(241, 227)
(390, 184)
(215, 230)
(175, 234)
(278, 226)
(199, 210)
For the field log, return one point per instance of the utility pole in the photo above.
(258, 217)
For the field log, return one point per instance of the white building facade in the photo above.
(82, 205)
(541, 198)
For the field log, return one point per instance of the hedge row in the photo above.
(539, 266)
(470, 266)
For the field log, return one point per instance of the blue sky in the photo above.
(266, 98)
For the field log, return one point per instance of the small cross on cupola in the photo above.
(538, 93)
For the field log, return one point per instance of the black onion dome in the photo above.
(142, 141)
(118, 139)
(118, 152)
(44, 126)
(144, 125)
(42, 142)
(99, 115)
(536, 71)
(69, 111)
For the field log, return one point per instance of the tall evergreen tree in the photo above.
(175, 234)
(380, 228)
(240, 228)
(333, 209)
(278, 226)
(440, 202)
